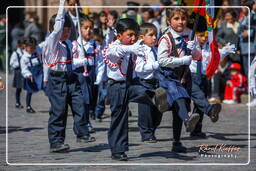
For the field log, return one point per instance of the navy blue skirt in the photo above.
(17, 79)
(173, 87)
(37, 84)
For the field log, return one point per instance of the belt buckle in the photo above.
(111, 82)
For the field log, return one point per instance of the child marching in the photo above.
(63, 86)
(120, 57)
(15, 64)
(32, 70)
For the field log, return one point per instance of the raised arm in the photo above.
(50, 49)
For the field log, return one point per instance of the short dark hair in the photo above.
(67, 23)
(146, 27)
(126, 24)
(149, 10)
(30, 41)
(84, 18)
(232, 12)
(21, 41)
(114, 14)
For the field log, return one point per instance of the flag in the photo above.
(215, 55)
(200, 11)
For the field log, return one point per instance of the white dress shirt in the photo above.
(145, 66)
(25, 62)
(164, 58)
(15, 61)
(116, 54)
(54, 51)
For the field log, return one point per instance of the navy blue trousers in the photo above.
(100, 107)
(148, 119)
(180, 109)
(118, 131)
(65, 90)
(199, 97)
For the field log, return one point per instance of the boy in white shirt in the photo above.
(145, 69)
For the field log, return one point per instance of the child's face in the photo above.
(202, 38)
(178, 22)
(65, 34)
(103, 19)
(111, 21)
(128, 37)
(150, 38)
(72, 10)
(30, 49)
(145, 15)
(86, 30)
(229, 18)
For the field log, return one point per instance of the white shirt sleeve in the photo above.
(145, 66)
(164, 59)
(252, 74)
(24, 62)
(50, 49)
(14, 63)
(117, 51)
(46, 72)
(78, 59)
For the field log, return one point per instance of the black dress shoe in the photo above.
(214, 113)
(59, 147)
(92, 115)
(198, 135)
(18, 106)
(119, 156)
(85, 139)
(91, 130)
(178, 148)
(30, 110)
(190, 123)
(98, 119)
(150, 140)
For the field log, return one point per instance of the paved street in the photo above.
(28, 141)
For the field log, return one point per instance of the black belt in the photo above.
(150, 81)
(58, 73)
(112, 81)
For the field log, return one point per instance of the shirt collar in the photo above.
(83, 41)
(176, 34)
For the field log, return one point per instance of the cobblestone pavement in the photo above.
(28, 143)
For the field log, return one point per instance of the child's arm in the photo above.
(24, 67)
(165, 60)
(252, 78)
(46, 73)
(143, 66)
(78, 59)
(50, 50)
(116, 50)
(226, 50)
(100, 66)
(14, 63)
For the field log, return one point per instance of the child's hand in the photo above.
(191, 45)
(1, 85)
(137, 49)
(229, 83)
(186, 60)
(228, 48)
(253, 92)
(30, 78)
